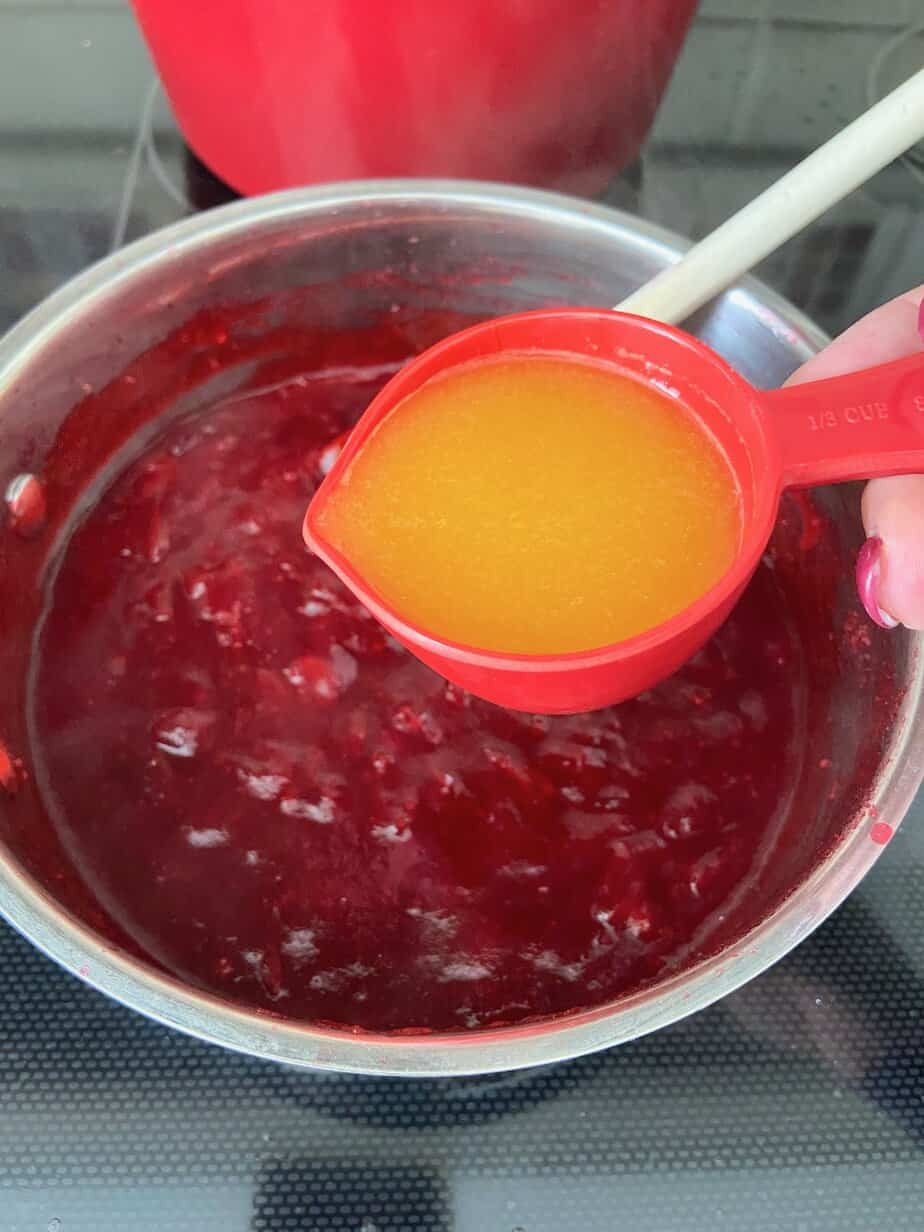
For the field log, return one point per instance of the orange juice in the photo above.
(536, 505)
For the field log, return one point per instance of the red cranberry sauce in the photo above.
(280, 805)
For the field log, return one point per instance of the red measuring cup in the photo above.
(857, 426)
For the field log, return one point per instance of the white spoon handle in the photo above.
(850, 158)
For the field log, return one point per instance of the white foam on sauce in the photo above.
(439, 922)
(464, 969)
(391, 834)
(178, 741)
(300, 944)
(323, 812)
(548, 960)
(207, 837)
(262, 786)
(522, 868)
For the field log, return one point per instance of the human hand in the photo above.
(890, 567)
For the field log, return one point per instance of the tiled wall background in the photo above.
(760, 83)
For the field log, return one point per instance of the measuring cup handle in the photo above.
(857, 426)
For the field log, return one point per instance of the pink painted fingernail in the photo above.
(921, 320)
(869, 570)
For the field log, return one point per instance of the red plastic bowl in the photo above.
(279, 93)
(857, 426)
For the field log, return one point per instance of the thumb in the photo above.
(890, 567)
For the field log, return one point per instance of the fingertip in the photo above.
(869, 583)
(901, 593)
(889, 332)
(890, 568)
(890, 577)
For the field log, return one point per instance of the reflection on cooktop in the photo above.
(327, 1195)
